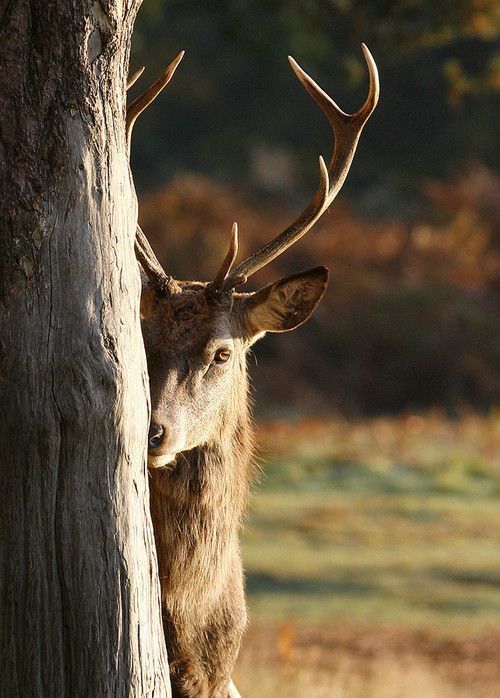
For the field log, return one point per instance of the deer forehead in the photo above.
(188, 323)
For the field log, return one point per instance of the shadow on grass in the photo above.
(469, 577)
(262, 583)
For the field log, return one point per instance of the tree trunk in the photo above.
(80, 612)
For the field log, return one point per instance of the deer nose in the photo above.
(155, 436)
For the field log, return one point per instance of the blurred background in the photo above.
(371, 549)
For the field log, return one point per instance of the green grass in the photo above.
(386, 521)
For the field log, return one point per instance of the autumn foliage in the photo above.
(411, 316)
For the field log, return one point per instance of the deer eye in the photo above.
(221, 356)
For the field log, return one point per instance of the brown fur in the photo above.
(197, 499)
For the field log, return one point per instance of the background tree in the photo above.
(80, 610)
(440, 64)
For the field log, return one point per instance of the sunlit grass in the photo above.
(384, 523)
(389, 519)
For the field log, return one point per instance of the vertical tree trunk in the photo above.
(80, 611)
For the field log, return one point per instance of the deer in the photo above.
(200, 444)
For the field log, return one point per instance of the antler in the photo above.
(228, 259)
(346, 130)
(143, 250)
(134, 77)
(149, 262)
(139, 105)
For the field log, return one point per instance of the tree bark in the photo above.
(80, 613)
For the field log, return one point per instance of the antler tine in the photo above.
(222, 274)
(346, 130)
(280, 243)
(138, 105)
(374, 89)
(346, 127)
(143, 250)
(149, 262)
(134, 77)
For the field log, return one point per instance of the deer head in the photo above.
(196, 334)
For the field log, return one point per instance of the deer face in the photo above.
(196, 335)
(196, 343)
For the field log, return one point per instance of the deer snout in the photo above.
(164, 443)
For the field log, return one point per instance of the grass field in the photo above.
(373, 559)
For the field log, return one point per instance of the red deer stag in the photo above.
(196, 336)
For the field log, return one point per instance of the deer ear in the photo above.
(148, 300)
(286, 304)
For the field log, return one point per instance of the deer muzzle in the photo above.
(164, 443)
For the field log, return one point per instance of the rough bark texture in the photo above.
(78, 583)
